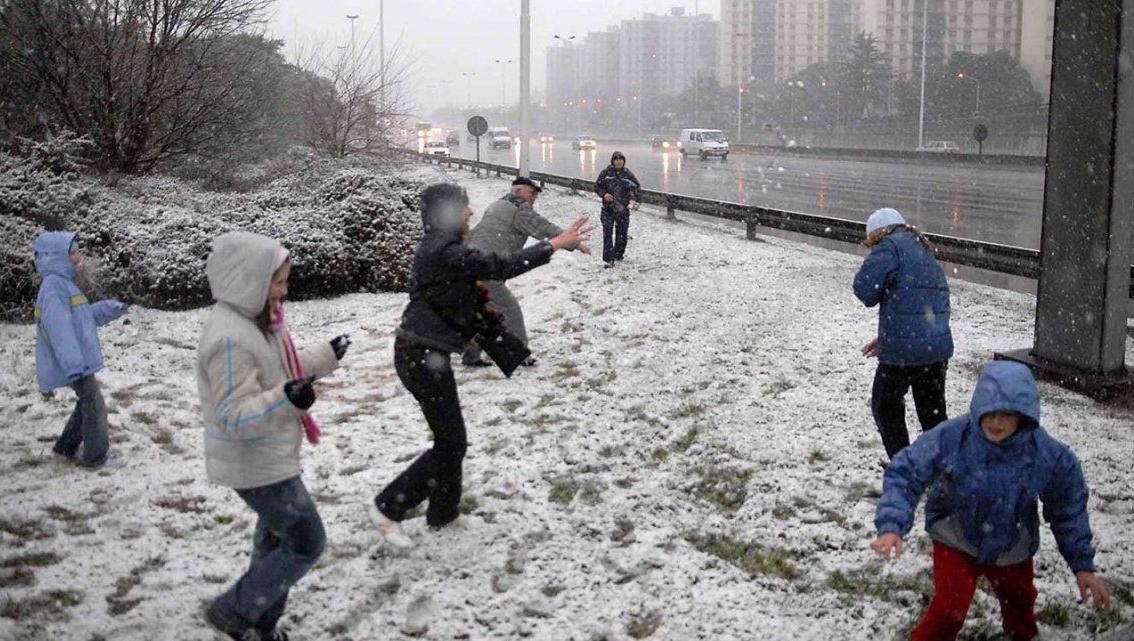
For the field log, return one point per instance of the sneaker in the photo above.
(608, 264)
(479, 362)
(223, 624)
(111, 463)
(530, 362)
(390, 531)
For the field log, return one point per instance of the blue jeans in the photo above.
(288, 540)
(87, 425)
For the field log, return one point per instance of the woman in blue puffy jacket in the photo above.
(984, 472)
(914, 343)
(67, 352)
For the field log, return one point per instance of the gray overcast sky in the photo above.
(448, 37)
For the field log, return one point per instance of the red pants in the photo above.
(954, 582)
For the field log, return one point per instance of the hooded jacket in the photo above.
(982, 495)
(507, 224)
(252, 431)
(903, 278)
(620, 183)
(445, 275)
(66, 344)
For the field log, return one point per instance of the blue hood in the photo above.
(1006, 386)
(53, 254)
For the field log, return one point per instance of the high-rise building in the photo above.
(1037, 26)
(599, 75)
(664, 54)
(564, 63)
(766, 41)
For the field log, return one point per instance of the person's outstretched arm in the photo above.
(534, 225)
(481, 265)
(1065, 509)
(906, 478)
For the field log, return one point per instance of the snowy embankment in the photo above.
(693, 458)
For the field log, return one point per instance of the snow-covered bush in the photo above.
(349, 229)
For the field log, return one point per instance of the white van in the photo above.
(499, 137)
(703, 142)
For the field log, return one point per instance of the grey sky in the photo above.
(448, 37)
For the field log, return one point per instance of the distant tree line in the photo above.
(152, 84)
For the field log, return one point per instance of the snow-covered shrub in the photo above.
(348, 229)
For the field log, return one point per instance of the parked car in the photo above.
(498, 137)
(662, 142)
(940, 146)
(703, 142)
(583, 142)
(438, 148)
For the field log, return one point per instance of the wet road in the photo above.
(995, 204)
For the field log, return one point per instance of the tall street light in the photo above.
(468, 86)
(503, 94)
(739, 77)
(740, 105)
(352, 18)
(525, 86)
(921, 110)
(962, 76)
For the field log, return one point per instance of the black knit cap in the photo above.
(527, 182)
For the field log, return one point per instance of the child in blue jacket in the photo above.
(67, 352)
(984, 471)
(914, 343)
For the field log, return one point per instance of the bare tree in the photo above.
(147, 80)
(351, 105)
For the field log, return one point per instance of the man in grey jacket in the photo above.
(505, 228)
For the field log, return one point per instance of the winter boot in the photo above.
(224, 624)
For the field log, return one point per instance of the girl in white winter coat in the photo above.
(255, 389)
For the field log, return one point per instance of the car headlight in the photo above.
(665, 145)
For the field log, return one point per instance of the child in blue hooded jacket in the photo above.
(984, 471)
(67, 351)
(914, 343)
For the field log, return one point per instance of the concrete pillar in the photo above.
(1088, 214)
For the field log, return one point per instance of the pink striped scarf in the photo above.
(293, 365)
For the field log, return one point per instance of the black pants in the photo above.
(436, 474)
(888, 401)
(615, 227)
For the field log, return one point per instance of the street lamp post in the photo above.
(962, 76)
(921, 109)
(503, 91)
(468, 86)
(525, 86)
(352, 18)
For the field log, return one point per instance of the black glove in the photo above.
(340, 345)
(300, 392)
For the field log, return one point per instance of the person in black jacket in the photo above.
(447, 308)
(620, 192)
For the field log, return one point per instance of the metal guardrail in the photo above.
(1004, 259)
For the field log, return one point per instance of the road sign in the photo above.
(478, 126)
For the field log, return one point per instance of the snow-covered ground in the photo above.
(693, 458)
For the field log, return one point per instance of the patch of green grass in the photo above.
(784, 512)
(511, 405)
(31, 560)
(660, 455)
(566, 370)
(546, 419)
(553, 590)
(144, 418)
(596, 383)
(74, 523)
(17, 577)
(25, 529)
(469, 504)
(591, 494)
(643, 625)
(688, 439)
(494, 445)
(752, 558)
(415, 513)
(723, 486)
(687, 410)
(569, 328)
(1054, 613)
(183, 504)
(869, 581)
(563, 491)
(856, 491)
(46, 606)
(610, 451)
(818, 456)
